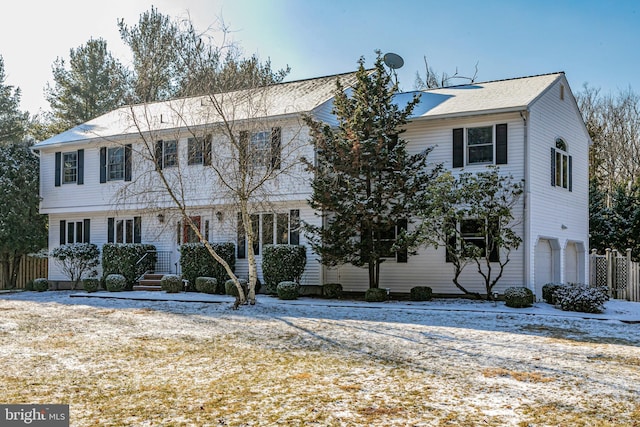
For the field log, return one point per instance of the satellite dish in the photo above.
(393, 61)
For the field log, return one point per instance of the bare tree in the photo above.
(433, 80)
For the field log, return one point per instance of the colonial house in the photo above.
(99, 181)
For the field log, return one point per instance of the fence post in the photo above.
(593, 268)
(609, 259)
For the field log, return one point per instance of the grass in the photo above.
(141, 366)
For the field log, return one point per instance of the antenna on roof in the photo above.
(393, 61)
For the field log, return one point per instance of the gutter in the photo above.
(524, 114)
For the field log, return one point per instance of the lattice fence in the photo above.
(617, 272)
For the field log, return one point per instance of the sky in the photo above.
(593, 42)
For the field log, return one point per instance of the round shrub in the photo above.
(115, 282)
(288, 290)
(582, 298)
(171, 283)
(375, 295)
(231, 289)
(90, 285)
(207, 285)
(548, 291)
(41, 284)
(332, 290)
(282, 263)
(421, 293)
(518, 297)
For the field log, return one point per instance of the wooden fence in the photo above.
(30, 268)
(618, 272)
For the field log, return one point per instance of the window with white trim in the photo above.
(268, 228)
(115, 163)
(480, 145)
(561, 165)
(124, 230)
(69, 167)
(75, 231)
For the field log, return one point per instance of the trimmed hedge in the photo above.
(121, 258)
(518, 297)
(282, 263)
(288, 290)
(375, 295)
(115, 282)
(171, 283)
(548, 291)
(207, 285)
(40, 285)
(421, 293)
(196, 261)
(582, 298)
(90, 285)
(231, 289)
(332, 290)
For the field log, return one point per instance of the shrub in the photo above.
(122, 258)
(230, 287)
(421, 293)
(375, 295)
(29, 286)
(582, 298)
(282, 263)
(196, 261)
(115, 282)
(171, 283)
(207, 285)
(40, 285)
(518, 297)
(288, 290)
(548, 290)
(332, 290)
(77, 260)
(91, 285)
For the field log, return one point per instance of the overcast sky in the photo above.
(594, 42)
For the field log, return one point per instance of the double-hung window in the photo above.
(124, 230)
(268, 228)
(75, 231)
(475, 235)
(262, 148)
(115, 163)
(69, 167)
(199, 150)
(166, 155)
(561, 165)
(480, 145)
(385, 237)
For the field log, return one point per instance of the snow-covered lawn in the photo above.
(120, 362)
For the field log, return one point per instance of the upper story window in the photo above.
(115, 163)
(166, 154)
(199, 150)
(480, 145)
(70, 167)
(561, 165)
(260, 148)
(263, 148)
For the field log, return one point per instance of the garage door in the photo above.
(571, 263)
(543, 265)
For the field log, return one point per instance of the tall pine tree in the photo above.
(366, 185)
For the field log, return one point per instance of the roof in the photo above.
(304, 96)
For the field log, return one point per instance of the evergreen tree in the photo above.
(93, 84)
(12, 121)
(365, 184)
(601, 219)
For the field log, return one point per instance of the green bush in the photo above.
(77, 260)
(421, 293)
(282, 263)
(171, 283)
(231, 289)
(332, 290)
(196, 261)
(518, 297)
(122, 258)
(115, 282)
(41, 284)
(91, 285)
(548, 290)
(375, 295)
(29, 286)
(582, 298)
(207, 285)
(288, 290)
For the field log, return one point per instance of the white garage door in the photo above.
(543, 265)
(571, 263)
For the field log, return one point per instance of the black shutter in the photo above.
(70, 232)
(79, 234)
(80, 179)
(206, 151)
(87, 231)
(103, 164)
(255, 226)
(570, 173)
(458, 148)
(501, 144)
(402, 255)
(110, 230)
(276, 146)
(63, 232)
(158, 155)
(58, 169)
(137, 229)
(294, 227)
(553, 167)
(127, 162)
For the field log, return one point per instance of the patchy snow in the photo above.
(407, 363)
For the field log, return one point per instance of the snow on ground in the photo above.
(442, 362)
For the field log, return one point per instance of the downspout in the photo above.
(526, 212)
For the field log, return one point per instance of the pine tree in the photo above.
(12, 120)
(366, 186)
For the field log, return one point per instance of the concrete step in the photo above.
(147, 288)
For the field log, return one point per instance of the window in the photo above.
(473, 234)
(188, 234)
(281, 228)
(75, 231)
(260, 148)
(480, 145)
(561, 165)
(70, 167)
(166, 154)
(386, 238)
(115, 163)
(263, 147)
(125, 230)
(199, 151)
